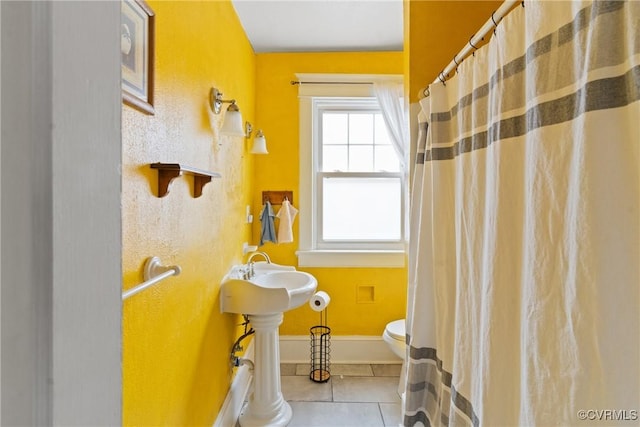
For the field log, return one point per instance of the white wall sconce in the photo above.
(259, 144)
(233, 124)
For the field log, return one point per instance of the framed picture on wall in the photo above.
(137, 50)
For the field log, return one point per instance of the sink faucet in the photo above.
(264, 255)
(250, 262)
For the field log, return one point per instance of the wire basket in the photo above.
(320, 354)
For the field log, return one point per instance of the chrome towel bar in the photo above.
(154, 272)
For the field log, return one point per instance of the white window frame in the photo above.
(312, 252)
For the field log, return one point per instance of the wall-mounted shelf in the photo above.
(168, 171)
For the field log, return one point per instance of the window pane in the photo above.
(361, 128)
(386, 159)
(361, 158)
(334, 158)
(382, 133)
(334, 128)
(361, 209)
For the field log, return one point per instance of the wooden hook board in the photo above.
(277, 197)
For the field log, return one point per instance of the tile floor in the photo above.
(354, 396)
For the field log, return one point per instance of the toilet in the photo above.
(395, 336)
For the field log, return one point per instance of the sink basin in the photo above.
(266, 267)
(274, 289)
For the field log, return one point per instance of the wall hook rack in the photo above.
(277, 197)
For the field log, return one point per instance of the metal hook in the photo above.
(441, 78)
(522, 3)
(495, 24)
(456, 62)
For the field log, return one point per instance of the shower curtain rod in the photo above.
(491, 23)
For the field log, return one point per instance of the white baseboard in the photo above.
(345, 349)
(230, 411)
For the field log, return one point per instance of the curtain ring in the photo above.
(522, 3)
(474, 52)
(441, 78)
(456, 62)
(495, 25)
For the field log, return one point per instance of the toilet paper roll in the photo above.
(319, 301)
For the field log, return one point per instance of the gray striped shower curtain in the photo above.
(524, 280)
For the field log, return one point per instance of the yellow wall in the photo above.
(437, 30)
(277, 115)
(176, 344)
(175, 341)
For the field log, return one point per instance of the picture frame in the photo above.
(137, 45)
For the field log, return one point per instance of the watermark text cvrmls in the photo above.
(608, 414)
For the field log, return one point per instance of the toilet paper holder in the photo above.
(320, 366)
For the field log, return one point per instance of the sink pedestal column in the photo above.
(266, 407)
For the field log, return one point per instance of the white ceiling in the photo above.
(321, 25)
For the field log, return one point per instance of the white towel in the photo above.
(286, 214)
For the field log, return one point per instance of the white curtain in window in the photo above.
(390, 96)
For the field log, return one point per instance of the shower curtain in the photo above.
(524, 280)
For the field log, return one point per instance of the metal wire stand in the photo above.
(320, 351)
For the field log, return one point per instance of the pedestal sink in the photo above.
(264, 297)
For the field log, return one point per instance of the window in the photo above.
(353, 204)
(358, 178)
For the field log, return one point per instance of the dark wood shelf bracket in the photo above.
(167, 172)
